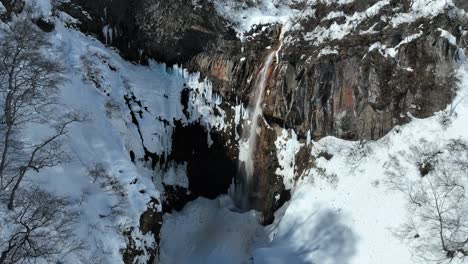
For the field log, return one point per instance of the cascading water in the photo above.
(247, 147)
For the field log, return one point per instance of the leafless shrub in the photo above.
(40, 228)
(28, 86)
(110, 185)
(111, 108)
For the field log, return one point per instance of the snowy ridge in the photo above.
(339, 31)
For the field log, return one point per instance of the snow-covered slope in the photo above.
(130, 110)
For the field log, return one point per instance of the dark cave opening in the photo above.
(209, 168)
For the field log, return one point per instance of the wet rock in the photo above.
(269, 192)
(131, 253)
(352, 93)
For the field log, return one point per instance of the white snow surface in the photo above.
(343, 211)
(243, 16)
(210, 232)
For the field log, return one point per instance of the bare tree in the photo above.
(46, 154)
(28, 85)
(40, 228)
(438, 206)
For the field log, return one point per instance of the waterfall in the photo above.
(247, 146)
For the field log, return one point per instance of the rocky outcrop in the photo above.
(352, 92)
(11, 7)
(358, 85)
(169, 31)
(269, 191)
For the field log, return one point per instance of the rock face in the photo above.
(323, 84)
(333, 87)
(170, 31)
(350, 91)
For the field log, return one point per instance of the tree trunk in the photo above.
(3, 256)
(11, 202)
(6, 146)
(8, 121)
(5, 253)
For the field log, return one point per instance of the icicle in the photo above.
(105, 32)
(110, 33)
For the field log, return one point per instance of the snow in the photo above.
(287, 148)
(244, 17)
(39, 8)
(445, 34)
(339, 31)
(175, 176)
(2, 9)
(393, 52)
(421, 8)
(98, 81)
(327, 51)
(209, 232)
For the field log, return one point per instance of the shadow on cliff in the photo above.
(320, 238)
(210, 170)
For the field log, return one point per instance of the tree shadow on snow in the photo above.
(321, 238)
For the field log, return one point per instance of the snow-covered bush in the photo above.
(110, 185)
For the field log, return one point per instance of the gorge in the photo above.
(250, 131)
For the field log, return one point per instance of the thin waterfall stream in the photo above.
(247, 147)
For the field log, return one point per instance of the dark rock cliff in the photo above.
(352, 93)
(170, 31)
